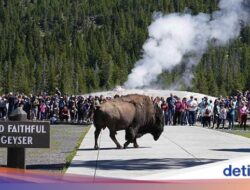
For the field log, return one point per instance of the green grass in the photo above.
(71, 155)
(239, 131)
(237, 127)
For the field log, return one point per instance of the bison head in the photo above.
(158, 125)
(155, 126)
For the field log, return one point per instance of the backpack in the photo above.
(61, 104)
(207, 111)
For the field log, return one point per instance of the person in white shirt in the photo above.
(192, 108)
(222, 116)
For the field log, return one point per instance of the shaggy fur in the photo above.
(133, 113)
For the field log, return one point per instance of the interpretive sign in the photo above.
(22, 134)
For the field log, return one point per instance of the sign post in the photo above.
(18, 134)
(16, 156)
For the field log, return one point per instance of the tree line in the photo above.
(83, 46)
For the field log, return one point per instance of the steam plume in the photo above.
(173, 36)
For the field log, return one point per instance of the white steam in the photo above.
(174, 36)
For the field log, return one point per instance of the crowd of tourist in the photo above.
(56, 108)
(220, 113)
(223, 112)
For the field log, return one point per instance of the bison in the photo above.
(134, 113)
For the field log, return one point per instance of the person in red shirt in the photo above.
(178, 111)
(164, 107)
(65, 113)
(184, 113)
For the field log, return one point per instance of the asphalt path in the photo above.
(179, 147)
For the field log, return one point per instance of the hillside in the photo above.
(83, 46)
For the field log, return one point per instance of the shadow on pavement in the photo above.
(109, 148)
(46, 166)
(144, 164)
(246, 150)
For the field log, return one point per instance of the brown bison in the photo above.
(134, 113)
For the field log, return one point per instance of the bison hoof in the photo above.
(136, 146)
(96, 147)
(119, 147)
(125, 145)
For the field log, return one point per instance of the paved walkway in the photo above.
(179, 147)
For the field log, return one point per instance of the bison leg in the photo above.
(135, 144)
(97, 133)
(112, 136)
(130, 137)
(126, 144)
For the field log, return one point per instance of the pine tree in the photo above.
(82, 46)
